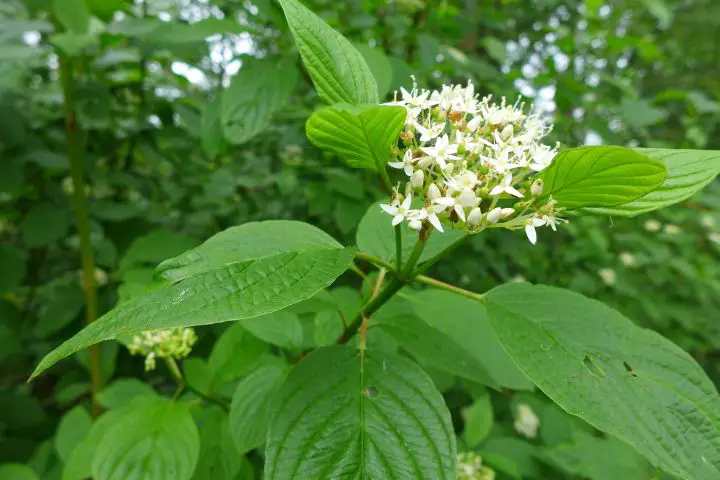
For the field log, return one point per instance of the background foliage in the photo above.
(191, 115)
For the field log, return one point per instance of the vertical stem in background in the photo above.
(398, 248)
(76, 157)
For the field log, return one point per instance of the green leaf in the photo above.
(478, 420)
(379, 65)
(236, 353)
(433, 348)
(328, 325)
(154, 247)
(376, 236)
(74, 15)
(627, 381)
(221, 282)
(45, 224)
(121, 391)
(249, 241)
(465, 322)
(14, 268)
(252, 403)
(279, 328)
(601, 177)
(16, 471)
(72, 43)
(72, 429)
(345, 413)
(219, 459)
(175, 33)
(689, 171)
(338, 71)
(641, 113)
(158, 441)
(587, 456)
(361, 135)
(259, 90)
(211, 129)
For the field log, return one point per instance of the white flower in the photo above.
(407, 164)
(541, 157)
(427, 134)
(627, 259)
(536, 189)
(608, 276)
(505, 186)
(671, 229)
(708, 221)
(429, 213)
(530, 225)
(442, 152)
(433, 192)
(506, 212)
(415, 224)
(165, 343)
(468, 199)
(714, 237)
(652, 225)
(467, 180)
(451, 202)
(399, 212)
(526, 422)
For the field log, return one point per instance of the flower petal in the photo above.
(531, 233)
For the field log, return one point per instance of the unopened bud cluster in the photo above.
(471, 162)
(469, 467)
(168, 343)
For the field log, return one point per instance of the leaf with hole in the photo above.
(689, 171)
(339, 72)
(627, 381)
(601, 177)
(344, 413)
(361, 135)
(232, 276)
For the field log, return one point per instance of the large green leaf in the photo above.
(434, 348)
(252, 405)
(622, 379)
(360, 135)
(157, 440)
(211, 128)
(464, 321)
(74, 15)
(232, 276)
(249, 241)
(219, 459)
(338, 71)
(376, 236)
(16, 471)
(688, 172)
(345, 413)
(260, 89)
(601, 177)
(478, 420)
(236, 353)
(279, 328)
(72, 429)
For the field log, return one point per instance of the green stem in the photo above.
(433, 260)
(183, 385)
(398, 247)
(386, 179)
(375, 261)
(414, 256)
(451, 288)
(390, 289)
(76, 156)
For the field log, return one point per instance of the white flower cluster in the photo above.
(469, 467)
(167, 343)
(471, 162)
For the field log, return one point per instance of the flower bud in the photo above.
(494, 215)
(507, 132)
(417, 179)
(433, 192)
(415, 225)
(506, 212)
(467, 198)
(449, 168)
(475, 216)
(537, 187)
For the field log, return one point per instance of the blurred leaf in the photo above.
(72, 43)
(211, 128)
(478, 420)
(45, 224)
(379, 65)
(121, 391)
(640, 113)
(72, 430)
(74, 15)
(259, 90)
(16, 471)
